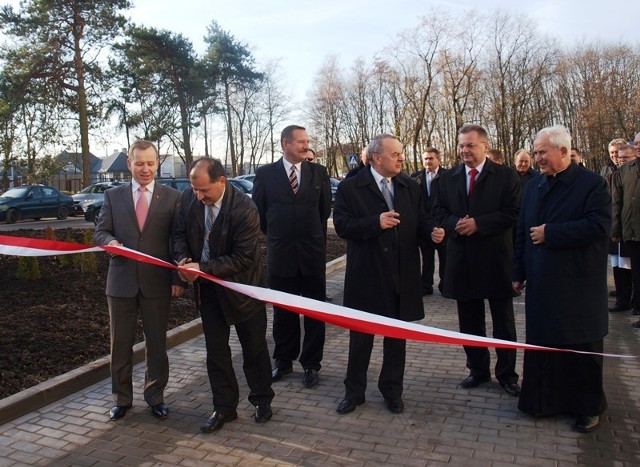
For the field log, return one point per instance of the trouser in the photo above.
(123, 316)
(286, 324)
(255, 354)
(471, 317)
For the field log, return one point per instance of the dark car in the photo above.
(34, 202)
(334, 187)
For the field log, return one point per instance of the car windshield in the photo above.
(15, 193)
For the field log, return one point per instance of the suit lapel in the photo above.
(281, 177)
(127, 201)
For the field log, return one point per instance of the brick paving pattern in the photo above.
(442, 424)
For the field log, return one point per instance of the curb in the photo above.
(52, 390)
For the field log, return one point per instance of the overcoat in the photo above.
(382, 264)
(479, 266)
(295, 223)
(566, 276)
(233, 245)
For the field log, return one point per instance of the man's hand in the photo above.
(615, 239)
(185, 276)
(389, 219)
(177, 290)
(517, 287)
(466, 226)
(114, 243)
(537, 234)
(437, 235)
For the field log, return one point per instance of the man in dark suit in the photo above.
(293, 197)
(428, 179)
(380, 213)
(477, 203)
(523, 167)
(561, 253)
(218, 232)
(139, 215)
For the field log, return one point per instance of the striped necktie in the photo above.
(293, 178)
(208, 225)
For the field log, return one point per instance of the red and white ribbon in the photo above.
(349, 318)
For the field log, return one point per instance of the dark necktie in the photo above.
(472, 181)
(293, 178)
(208, 225)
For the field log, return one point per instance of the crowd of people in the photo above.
(495, 229)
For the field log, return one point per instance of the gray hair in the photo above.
(558, 135)
(375, 146)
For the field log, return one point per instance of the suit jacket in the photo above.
(382, 264)
(479, 266)
(118, 221)
(295, 224)
(566, 298)
(421, 179)
(233, 246)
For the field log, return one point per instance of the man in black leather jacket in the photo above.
(217, 232)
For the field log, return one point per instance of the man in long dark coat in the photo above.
(379, 212)
(561, 253)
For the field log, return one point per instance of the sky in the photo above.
(300, 35)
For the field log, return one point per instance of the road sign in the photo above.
(352, 161)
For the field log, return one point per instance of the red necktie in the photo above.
(142, 207)
(472, 181)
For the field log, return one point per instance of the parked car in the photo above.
(92, 210)
(91, 194)
(334, 187)
(250, 177)
(34, 202)
(243, 184)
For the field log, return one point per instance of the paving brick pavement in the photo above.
(442, 424)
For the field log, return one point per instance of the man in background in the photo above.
(293, 197)
(523, 167)
(428, 178)
(625, 225)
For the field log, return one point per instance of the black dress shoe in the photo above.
(635, 312)
(513, 389)
(395, 405)
(263, 413)
(636, 324)
(472, 381)
(347, 406)
(118, 411)
(217, 421)
(160, 411)
(279, 373)
(586, 423)
(612, 293)
(617, 308)
(427, 291)
(310, 378)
